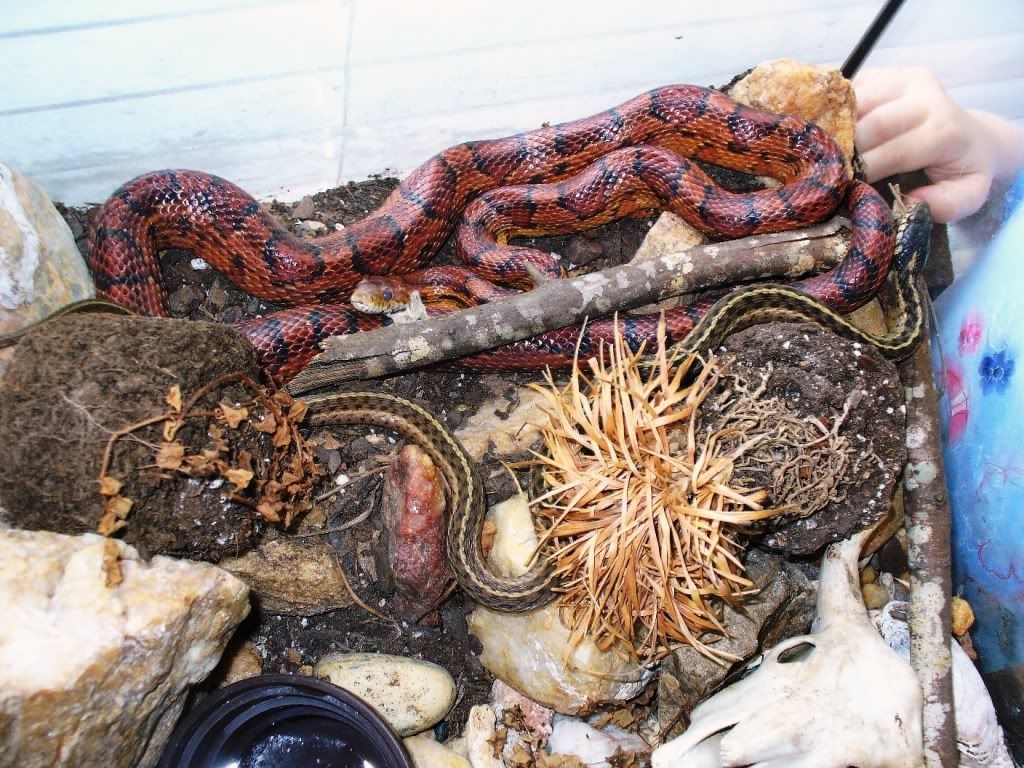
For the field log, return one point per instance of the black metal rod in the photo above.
(867, 42)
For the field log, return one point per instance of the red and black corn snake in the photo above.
(627, 161)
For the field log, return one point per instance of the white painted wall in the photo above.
(287, 97)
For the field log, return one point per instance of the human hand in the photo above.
(907, 122)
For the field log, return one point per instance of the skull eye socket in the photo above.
(388, 294)
(798, 652)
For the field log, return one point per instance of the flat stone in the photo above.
(292, 577)
(96, 675)
(427, 753)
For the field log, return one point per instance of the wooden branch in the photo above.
(562, 303)
(926, 501)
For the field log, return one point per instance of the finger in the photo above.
(953, 199)
(888, 122)
(910, 151)
(875, 87)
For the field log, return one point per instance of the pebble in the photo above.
(218, 296)
(427, 753)
(875, 595)
(412, 695)
(310, 228)
(583, 250)
(963, 616)
(304, 208)
(185, 300)
(199, 264)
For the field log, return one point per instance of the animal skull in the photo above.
(834, 698)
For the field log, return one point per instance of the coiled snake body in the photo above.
(626, 161)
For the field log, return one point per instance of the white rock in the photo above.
(979, 736)
(514, 431)
(575, 737)
(479, 733)
(97, 676)
(526, 650)
(412, 695)
(311, 227)
(41, 269)
(427, 753)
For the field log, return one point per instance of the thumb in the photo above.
(953, 199)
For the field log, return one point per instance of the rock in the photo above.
(527, 650)
(218, 295)
(868, 575)
(304, 208)
(536, 716)
(291, 576)
(670, 234)
(413, 512)
(581, 250)
(240, 662)
(427, 753)
(310, 228)
(593, 747)
(816, 93)
(183, 301)
(480, 733)
(41, 268)
(503, 427)
(875, 595)
(92, 675)
(963, 616)
(75, 379)
(783, 607)
(412, 695)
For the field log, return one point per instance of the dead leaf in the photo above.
(267, 424)
(282, 398)
(109, 486)
(171, 427)
(330, 442)
(173, 398)
(170, 455)
(297, 410)
(233, 416)
(521, 757)
(121, 506)
(270, 511)
(240, 478)
(113, 575)
(282, 435)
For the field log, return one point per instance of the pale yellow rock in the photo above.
(92, 675)
(412, 695)
(868, 575)
(479, 734)
(427, 753)
(41, 268)
(815, 93)
(292, 576)
(875, 595)
(239, 663)
(513, 432)
(526, 650)
(669, 234)
(963, 616)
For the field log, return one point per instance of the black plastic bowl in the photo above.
(284, 721)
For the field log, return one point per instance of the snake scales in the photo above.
(627, 161)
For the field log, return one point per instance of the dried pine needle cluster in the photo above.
(639, 510)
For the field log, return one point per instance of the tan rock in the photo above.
(41, 268)
(963, 616)
(411, 694)
(92, 675)
(816, 93)
(875, 595)
(507, 429)
(670, 234)
(240, 662)
(292, 576)
(427, 753)
(480, 732)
